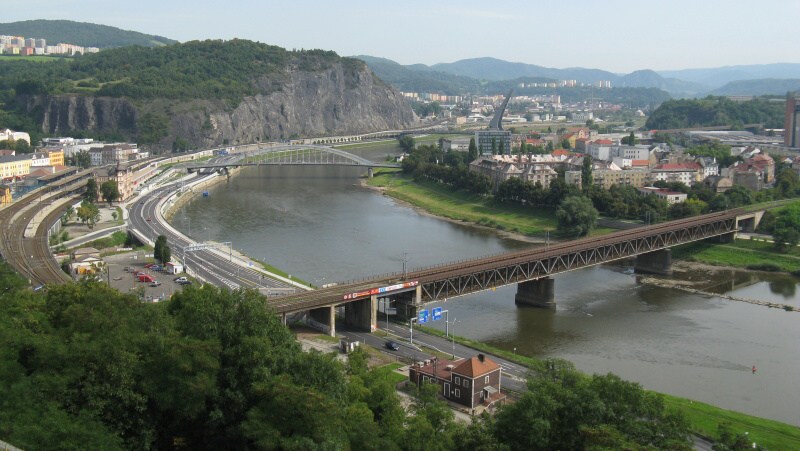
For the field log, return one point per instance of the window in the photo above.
(466, 382)
(458, 393)
(486, 380)
(458, 380)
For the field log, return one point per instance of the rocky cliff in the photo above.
(342, 98)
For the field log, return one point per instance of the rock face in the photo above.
(341, 99)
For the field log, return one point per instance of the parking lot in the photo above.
(122, 276)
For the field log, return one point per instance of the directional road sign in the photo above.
(423, 316)
(437, 313)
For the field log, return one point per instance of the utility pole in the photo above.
(405, 261)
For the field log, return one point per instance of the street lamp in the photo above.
(411, 321)
(454, 338)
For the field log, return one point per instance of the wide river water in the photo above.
(320, 225)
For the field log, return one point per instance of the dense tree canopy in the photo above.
(710, 111)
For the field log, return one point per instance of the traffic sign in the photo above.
(423, 316)
(437, 313)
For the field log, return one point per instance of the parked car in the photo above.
(185, 282)
(180, 279)
(155, 283)
(146, 278)
(392, 345)
(156, 268)
(149, 265)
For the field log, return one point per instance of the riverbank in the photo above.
(509, 221)
(704, 419)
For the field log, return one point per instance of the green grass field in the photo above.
(739, 254)
(705, 419)
(442, 201)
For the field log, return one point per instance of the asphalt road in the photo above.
(216, 268)
(513, 374)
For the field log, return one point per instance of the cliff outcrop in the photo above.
(343, 98)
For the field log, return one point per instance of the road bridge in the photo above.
(530, 269)
(288, 155)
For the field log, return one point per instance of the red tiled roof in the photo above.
(640, 162)
(559, 152)
(603, 142)
(474, 367)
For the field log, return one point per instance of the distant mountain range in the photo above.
(83, 34)
(682, 83)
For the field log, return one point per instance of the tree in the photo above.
(576, 216)
(69, 212)
(502, 148)
(82, 159)
(473, 150)
(91, 190)
(406, 143)
(629, 140)
(586, 174)
(786, 229)
(161, 250)
(494, 146)
(110, 191)
(88, 213)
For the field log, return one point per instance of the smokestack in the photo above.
(481, 357)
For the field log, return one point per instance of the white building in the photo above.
(10, 135)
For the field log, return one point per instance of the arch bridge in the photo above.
(291, 155)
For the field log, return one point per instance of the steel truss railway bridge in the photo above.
(530, 269)
(292, 155)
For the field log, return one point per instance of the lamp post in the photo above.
(454, 338)
(411, 321)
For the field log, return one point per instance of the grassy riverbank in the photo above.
(441, 201)
(704, 419)
(748, 254)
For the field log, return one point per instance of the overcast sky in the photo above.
(615, 35)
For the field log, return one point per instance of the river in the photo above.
(320, 225)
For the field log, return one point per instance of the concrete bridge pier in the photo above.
(537, 293)
(362, 313)
(370, 172)
(323, 318)
(407, 303)
(655, 262)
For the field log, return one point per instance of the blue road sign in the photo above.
(437, 313)
(423, 316)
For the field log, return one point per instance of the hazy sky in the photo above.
(615, 35)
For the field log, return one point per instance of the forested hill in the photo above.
(712, 111)
(193, 70)
(83, 34)
(199, 93)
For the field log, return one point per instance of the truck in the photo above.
(146, 278)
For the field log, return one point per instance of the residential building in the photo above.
(86, 261)
(473, 382)
(672, 197)
(15, 167)
(613, 175)
(754, 173)
(56, 157)
(686, 173)
(5, 195)
(490, 141)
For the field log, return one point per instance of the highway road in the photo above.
(216, 267)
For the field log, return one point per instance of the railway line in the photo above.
(31, 256)
(334, 295)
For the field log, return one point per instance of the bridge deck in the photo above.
(459, 278)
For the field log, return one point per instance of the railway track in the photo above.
(334, 294)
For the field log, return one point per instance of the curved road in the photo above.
(213, 266)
